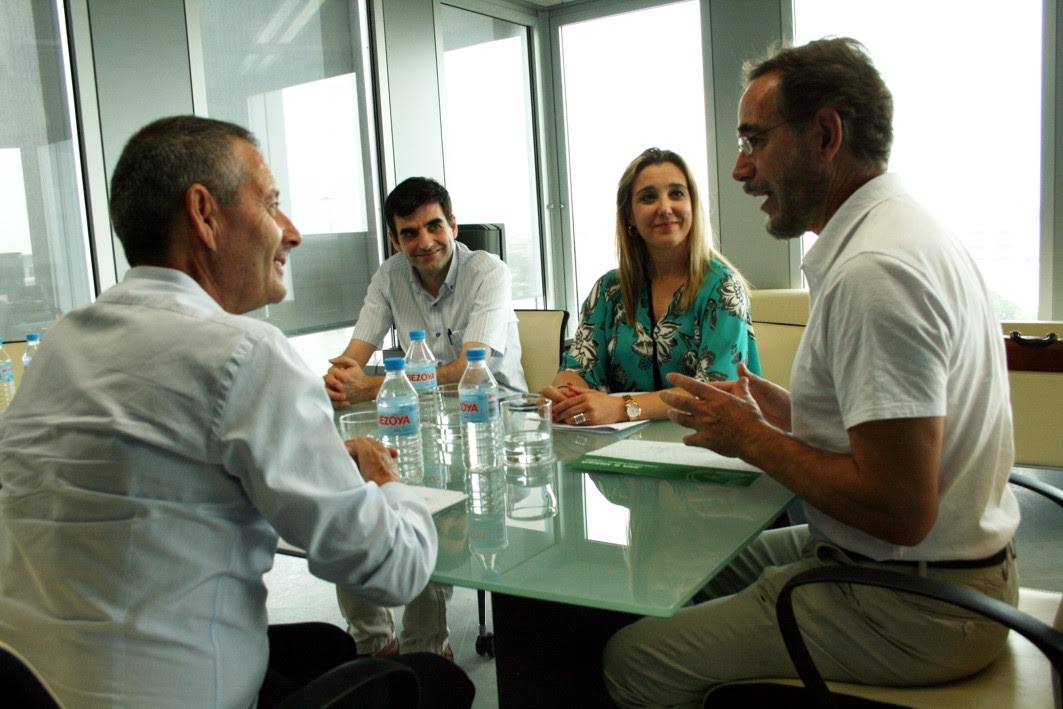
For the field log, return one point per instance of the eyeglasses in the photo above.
(745, 142)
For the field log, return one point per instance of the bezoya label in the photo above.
(478, 406)
(422, 376)
(402, 420)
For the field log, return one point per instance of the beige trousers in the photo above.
(855, 633)
(424, 621)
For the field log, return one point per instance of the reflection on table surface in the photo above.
(617, 542)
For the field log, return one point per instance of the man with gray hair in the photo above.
(161, 442)
(897, 431)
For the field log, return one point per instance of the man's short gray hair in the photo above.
(158, 165)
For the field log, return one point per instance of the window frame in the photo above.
(532, 22)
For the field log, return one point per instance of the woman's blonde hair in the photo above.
(631, 249)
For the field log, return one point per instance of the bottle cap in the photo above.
(475, 354)
(32, 337)
(394, 364)
(416, 335)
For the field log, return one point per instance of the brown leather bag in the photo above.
(1033, 354)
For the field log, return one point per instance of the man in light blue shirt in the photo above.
(162, 441)
(460, 298)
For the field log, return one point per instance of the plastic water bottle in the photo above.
(480, 416)
(421, 367)
(7, 378)
(485, 482)
(33, 341)
(399, 419)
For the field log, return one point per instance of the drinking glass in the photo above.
(531, 491)
(449, 395)
(527, 434)
(442, 441)
(357, 424)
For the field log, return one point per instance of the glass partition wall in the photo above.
(618, 101)
(294, 73)
(45, 263)
(967, 120)
(489, 138)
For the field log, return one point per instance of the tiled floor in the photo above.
(297, 596)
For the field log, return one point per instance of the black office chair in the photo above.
(356, 683)
(20, 687)
(816, 693)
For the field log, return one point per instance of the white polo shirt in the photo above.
(901, 326)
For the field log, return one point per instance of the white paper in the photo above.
(678, 453)
(438, 500)
(602, 427)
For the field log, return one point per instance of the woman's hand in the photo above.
(558, 393)
(596, 406)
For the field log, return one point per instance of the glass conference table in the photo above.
(617, 548)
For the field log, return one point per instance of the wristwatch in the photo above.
(631, 408)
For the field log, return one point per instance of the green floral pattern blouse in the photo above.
(706, 342)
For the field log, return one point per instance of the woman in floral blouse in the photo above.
(674, 305)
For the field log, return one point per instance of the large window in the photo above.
(631, 81)
(966, 82)
(488, 137)
(292, 72)
(45, 269)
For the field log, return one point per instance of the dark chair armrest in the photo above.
(1047, 639)
(357, 676)
(1050, 491)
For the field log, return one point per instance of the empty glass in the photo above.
(449, 395)
(358, 424)
(442, 441)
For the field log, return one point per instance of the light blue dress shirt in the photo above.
(473, 305)
(153, 453)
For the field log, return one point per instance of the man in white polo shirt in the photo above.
(897, 432)
(461, 299)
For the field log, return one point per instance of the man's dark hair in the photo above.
(158, 165)
(835, 72)
(413, 193)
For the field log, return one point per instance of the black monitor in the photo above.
(484, 237)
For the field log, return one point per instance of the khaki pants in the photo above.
(424, 621)
(855, 633)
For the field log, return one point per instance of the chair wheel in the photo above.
(485, 645)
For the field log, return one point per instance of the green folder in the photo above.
(668, 471)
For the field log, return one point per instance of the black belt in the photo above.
(993, 560)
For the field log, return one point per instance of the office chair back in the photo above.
(484, 237)
(369, 682)
(542, 339)
(21, 688)
(1020, 676)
